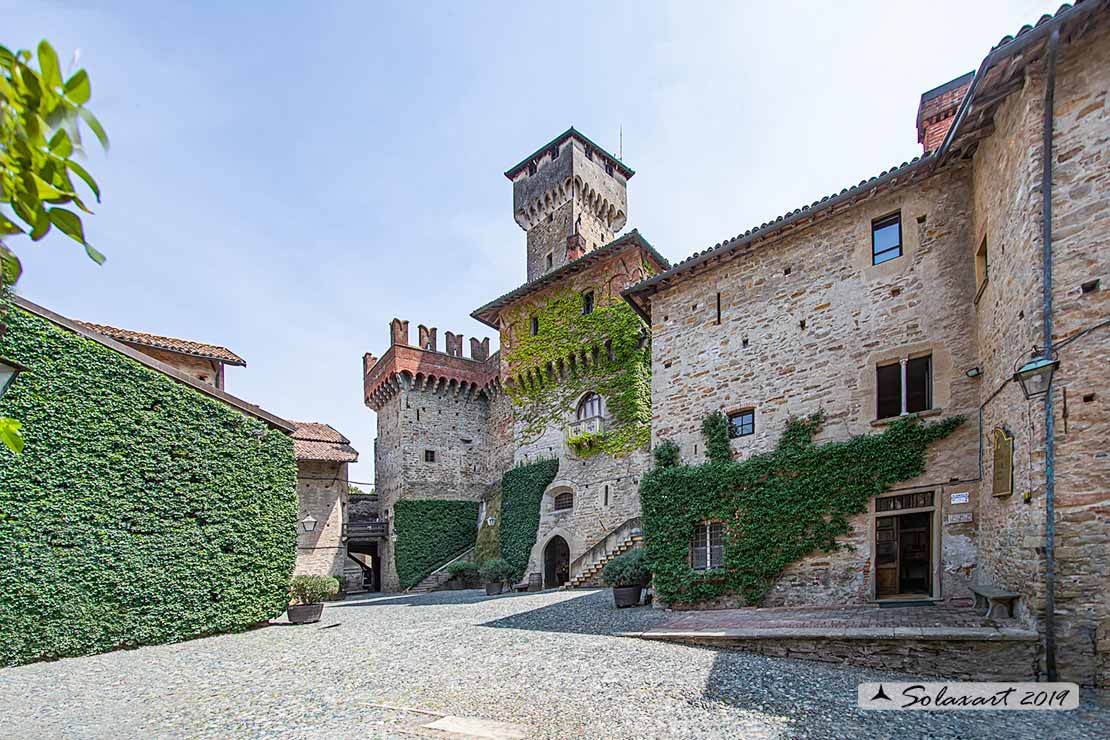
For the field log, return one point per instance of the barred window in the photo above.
(564, 501)
(707, 549)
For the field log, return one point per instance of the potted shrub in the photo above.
(306, 597)
(463, 574)
(494, 573)
(627, 574)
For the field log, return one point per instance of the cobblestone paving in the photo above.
(382, 667)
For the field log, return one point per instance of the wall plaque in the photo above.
(963, 516)
(1003, 463)
(961, 497)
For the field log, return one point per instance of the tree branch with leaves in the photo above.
(41, 119)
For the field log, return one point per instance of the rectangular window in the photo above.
(919, 384)
(429, 456)
(534, 325)
(889, 381)
(886, 238)
(718, 308)
(741, 423)
(587, 303)
(707, 547)
(893, 397)
(549, 261)
(981, 268)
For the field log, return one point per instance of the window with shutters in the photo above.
(707, 547)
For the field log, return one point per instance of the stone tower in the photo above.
(571, 197)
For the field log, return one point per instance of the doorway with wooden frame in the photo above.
(905, 547)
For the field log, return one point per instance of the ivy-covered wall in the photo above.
(430, 532)
(776, 507)
(140, 511)
(620, 371)
(521, 494)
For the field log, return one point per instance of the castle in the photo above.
(916, 293)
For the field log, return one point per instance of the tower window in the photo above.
(707, 547)
(589, 406)
(609, 168)
(587, 303)
(535, 325)
(982, 268)
(606, 495)
(531, 168)
(554, 152)
(549, 261)
(564, 501)
(429, 456)
(895, 397)
(886, 238)
(741, 423)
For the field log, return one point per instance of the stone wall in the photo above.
(1007, 189)
(804, 321)
(322, 493)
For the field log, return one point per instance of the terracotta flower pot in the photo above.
(305, 613)
(624, 596)
(492, 589)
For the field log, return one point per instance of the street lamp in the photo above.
(1035, 376)
(308, 523)
(8, 370)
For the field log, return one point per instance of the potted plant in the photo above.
(627, 574)
(306, 597)
(494, 573)
(463, 574)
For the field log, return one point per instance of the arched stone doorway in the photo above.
(556, 562)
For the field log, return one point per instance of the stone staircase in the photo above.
(439, 577)
(354, 574)
(586, 569)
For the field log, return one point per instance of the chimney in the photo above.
(937, 111)
(576, 246)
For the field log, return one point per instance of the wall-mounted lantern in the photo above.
(1035, 376)
(308, 524)
(8, 370)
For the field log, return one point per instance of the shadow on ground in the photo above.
(591, 613)
(432, 598)
(818, 700)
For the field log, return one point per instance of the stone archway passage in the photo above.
(556, 563)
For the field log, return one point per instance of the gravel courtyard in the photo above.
(549, 663)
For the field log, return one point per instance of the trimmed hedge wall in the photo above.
(429, 533)
(521, 494)
(140, 511)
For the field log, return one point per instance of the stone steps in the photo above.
(591, 575)
(437, 580)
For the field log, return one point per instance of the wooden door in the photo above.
(886, 556)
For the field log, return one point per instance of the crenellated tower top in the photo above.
(571, 196)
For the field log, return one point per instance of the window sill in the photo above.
(915, 415)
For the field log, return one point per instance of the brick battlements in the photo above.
(425, 367)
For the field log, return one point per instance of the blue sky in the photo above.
(287, 177)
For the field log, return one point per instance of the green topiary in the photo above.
(431, 532)
(714, 427)
(666, 454)
(496, 571)
(141, 511)
(629, 569)
(521, 494)
(463, 568)
(312, 589)
(776, 507)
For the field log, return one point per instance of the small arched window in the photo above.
(564, 501)
(589, 406)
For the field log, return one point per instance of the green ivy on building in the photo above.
(521, 495)
(619, 370)
(776, 508)
(430, 532)
(140, 511)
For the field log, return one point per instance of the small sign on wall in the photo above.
(961, 497)
(960, 518)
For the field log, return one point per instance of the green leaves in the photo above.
(40, 131)
(10, 436)
(775, 507)
(521, 495)
(429, 533)
(140, 510)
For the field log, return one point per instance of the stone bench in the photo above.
(994, 602)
